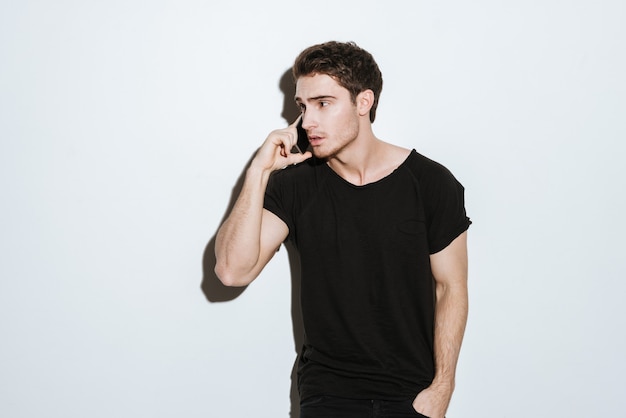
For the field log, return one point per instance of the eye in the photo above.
(324, 104)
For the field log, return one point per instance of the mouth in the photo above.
(315, 140)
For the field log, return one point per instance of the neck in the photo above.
(354, 160)
(368, 162)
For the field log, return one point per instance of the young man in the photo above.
(381, 232)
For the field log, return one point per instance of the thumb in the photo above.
(298, 158)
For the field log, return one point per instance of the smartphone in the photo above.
(303, 140)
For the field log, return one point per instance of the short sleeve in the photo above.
(444, 199)
(274, 200)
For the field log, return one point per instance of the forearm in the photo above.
(450, 320)
(449, 267)
(238, 241)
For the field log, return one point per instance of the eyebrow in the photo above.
(297, 99)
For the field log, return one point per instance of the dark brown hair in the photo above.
(351, 66)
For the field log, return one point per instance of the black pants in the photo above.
(332, 407)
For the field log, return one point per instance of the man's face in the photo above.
(329, 116)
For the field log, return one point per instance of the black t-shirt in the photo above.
(367, 290)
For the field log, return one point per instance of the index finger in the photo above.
(297, 121)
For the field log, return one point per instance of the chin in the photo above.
(320, 153)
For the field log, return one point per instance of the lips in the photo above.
(315, 140)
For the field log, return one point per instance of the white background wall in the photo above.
(125, 127)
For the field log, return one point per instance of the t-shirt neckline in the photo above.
(373, 183)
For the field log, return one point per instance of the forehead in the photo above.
(318, 85)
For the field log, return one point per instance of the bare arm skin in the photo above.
(449, 268)
(250, 236)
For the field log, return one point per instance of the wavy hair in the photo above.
(348, 64)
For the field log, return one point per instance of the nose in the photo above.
(307, 121)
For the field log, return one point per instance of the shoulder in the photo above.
(298, 173)
(292, 180)
(427, 170)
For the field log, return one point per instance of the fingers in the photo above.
(288, 136)
(296, 122)
(295, 159)
(287, 140)
(302, 157)
(275, 153)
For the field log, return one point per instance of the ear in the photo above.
(364, 102)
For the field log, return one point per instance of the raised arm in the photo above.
(449, 268)
(250, 236)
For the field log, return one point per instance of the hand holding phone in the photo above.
(303, 140)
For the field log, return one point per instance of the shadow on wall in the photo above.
(211, 286)
(215, 291)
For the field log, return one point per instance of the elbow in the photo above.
(228, 277)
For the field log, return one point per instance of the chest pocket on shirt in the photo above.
(412, 227)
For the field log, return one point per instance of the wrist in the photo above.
(258, 172)
(443, 383)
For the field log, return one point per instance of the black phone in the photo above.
(303, 140)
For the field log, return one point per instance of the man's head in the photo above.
(351, 66)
